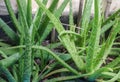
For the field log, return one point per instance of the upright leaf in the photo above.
(65, 39)
(85, 19)
(105, 50)
(93, 44)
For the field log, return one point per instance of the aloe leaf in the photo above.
(108, 75)
(69, 32)
(15, 72)
(59, 11)
(2, 44)
(63, 56)
(22, 12)
(38, 15)
(8, 75)
(71, 21)
(115, 78)
(57, 58)
(29, 12)
(65, 78)
(57, 14)
(106, 27)
(57, 71)
(114, 62)
(10, 51)
(28, 50)
(9, 60)
(46, 20)
(20, 17)
(54, 45)
(36, 20)
(3, 54)
(93, 44)
(27, 62)
(98, 73)
(73, 35)
(65, 39)
(111, 17)
(13, 17)
(105, 50)
(8, 30)
(85, 19)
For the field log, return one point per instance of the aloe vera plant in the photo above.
(95, 52)
(27, 35)
(86, 50)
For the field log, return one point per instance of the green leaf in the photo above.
(105, 50)
(114, 62)
(57, 58)
(8, 30)
(108, 75)
(3, 54)
(54, 45)
(71, 21)
(65, 78)
(106, 27)
(65, 39)
(57, 14)
(8, 51)
(111, 17)
(29, 12)
(85, 19)
(93, 44)
(45, 21)
(98, 73)
(115, 78)
(13, 17)
(2, 44)
(57, 71)
(8, 75)
(9, 60)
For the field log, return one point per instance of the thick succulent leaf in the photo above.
(93, 44)
(2, 44)
(45, 19)
(57, 71)
(57, 14)
(105, 50)
(8, 30)
(8, 75)
(57, 58)
(114, 62)
(106, 27)
(65, 39)
(85, 20)
(98, 73)
(3, 54)
(8, 50)
(71, 20)
(29, 12)
(67, 78)
(9, 60)
(115, 78)
(108, 75)
(13, 17)
(111, 17)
